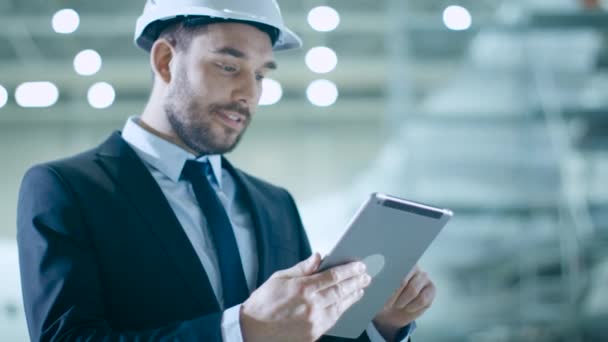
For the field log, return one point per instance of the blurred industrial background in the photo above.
(497, 109)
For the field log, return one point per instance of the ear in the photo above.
(161, 55)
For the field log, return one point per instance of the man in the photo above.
(153, 235)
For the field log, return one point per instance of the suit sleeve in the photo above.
(59, 276)
(304, 244)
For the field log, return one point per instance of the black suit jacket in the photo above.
(103, 257)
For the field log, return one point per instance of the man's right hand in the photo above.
(298, 305)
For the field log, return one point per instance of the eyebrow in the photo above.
(230, 51)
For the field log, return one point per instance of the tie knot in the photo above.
(194, 169)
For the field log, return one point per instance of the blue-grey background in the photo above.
(506, 123)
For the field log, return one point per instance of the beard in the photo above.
(193, 124)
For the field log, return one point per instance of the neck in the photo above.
(154, 120)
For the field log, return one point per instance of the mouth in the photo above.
(232, 119)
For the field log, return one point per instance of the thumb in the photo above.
(303, 268)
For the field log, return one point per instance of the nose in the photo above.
(248, 90)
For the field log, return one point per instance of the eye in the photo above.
(227, 67)
(259, 77)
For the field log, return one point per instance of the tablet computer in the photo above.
(389, 235)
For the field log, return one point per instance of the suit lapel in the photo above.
(262, 222)
(124, 166)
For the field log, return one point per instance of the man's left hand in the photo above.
(409, 302)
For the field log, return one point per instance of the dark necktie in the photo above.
(234, 284)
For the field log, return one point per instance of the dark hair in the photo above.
(179, 35)
(180, 31)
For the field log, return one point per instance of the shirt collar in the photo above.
(165, 156)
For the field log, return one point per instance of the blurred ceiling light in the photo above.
(87, 62)
(457, 18)
(322, 93)
(271, 92)
(36, 94)
(321, 59)
(66, 21)
(323, 18)
(101, 95)
(3, 96)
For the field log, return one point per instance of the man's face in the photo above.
(216, 85)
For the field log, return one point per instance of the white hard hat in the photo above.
(157, 13)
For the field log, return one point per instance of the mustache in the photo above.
(232, 107)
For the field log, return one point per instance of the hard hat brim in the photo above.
(287, 40)
(146, 34)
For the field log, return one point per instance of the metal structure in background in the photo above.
(550, 274)
(399, 90)
(508, 142)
